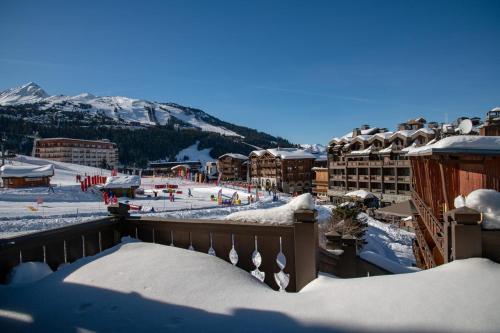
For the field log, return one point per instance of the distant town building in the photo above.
(491, 126)
(164, 168)
(232, 166)
(16, 176)
(211, 170)
(288, 170)
(95, 153)
(373, 159)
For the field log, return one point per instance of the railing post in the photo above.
(305, 247)
(121, 212)
(465, 233)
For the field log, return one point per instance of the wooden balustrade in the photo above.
(437, 230)
(297, 242)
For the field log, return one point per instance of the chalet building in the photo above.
(122, 186)
(491, 126)
(96, 153)
(232, 167)
(320, 182)
(15, 176)
(288, 170)
(440, 175)
(373, 159)
(164, 168)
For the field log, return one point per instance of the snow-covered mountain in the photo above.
(315, 148)
(123, 109)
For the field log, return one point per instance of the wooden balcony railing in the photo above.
(437, 230)
(424, 249)
(235, 242)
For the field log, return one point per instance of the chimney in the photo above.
(356, 132)
(365, 127)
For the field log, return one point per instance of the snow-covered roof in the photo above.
(360, 194)
(181, 166)
(403, 133)
(258, 152)
(425, 130)
(387, 150)
(496, 108)
(26, 171)
(409, 148)
(383, 135)
(235, 156)
(366, 151)
(290, 153)
(122, 182)
(461, 144)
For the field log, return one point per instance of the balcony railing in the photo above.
(438, 230)
(424, 249)
(253, 247)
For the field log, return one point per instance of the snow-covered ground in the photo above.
(149, 287)
(20, 214)
(192, 153)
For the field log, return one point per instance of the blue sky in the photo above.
(304, 70)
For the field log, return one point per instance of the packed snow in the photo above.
(471, 144)
(122, 182)
(28, 272)
(150, 287)
(278, 215)
(29, 171)
(486, 202)
(388, 246)
(362, 194)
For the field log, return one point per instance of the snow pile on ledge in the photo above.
(277, 215)
(13, 171)
(486, 202)
(122, 182)
(360, 194)
(461, 144)
(138, 287)
(29, 272)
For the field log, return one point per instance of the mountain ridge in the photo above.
(143, 130)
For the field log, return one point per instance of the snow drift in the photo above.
(486, 202)
(277, 215)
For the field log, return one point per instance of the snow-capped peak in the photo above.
(25, 94)
(315, 148)
(123, 109)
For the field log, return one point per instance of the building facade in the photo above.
(373, 159)
(288, 170)
(440, 175)
(232, 167)
(96, 153)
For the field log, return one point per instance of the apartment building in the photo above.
(373, 159)
(96, 153)
(288, 170)
(232, 166)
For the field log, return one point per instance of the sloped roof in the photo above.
(291, 153)
(122, 182)
(26, 171)
(235, 156)
(461, 144)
